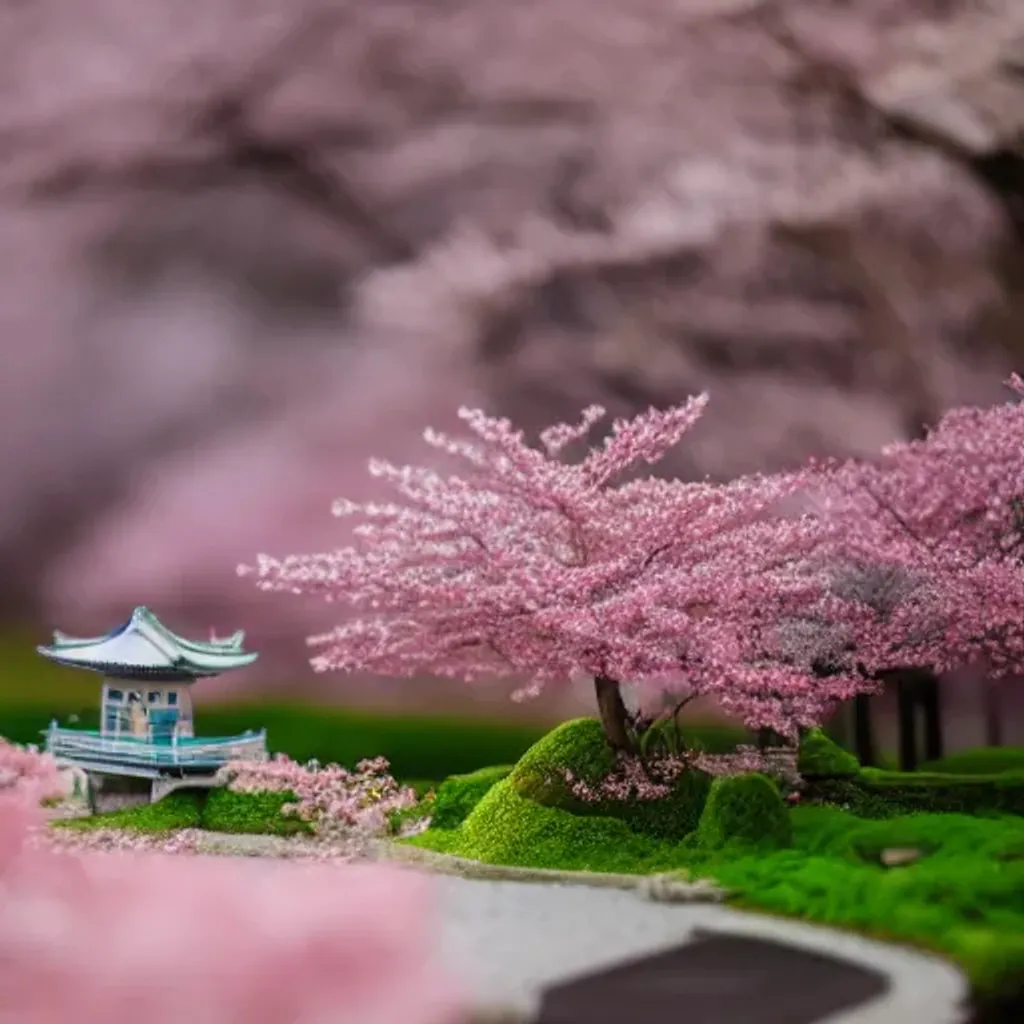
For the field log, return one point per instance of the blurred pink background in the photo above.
(245, 250)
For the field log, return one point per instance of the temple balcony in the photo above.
(134, 756)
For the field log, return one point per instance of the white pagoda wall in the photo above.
(144, 689)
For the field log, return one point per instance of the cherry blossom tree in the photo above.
(930, 538)
(530, 565)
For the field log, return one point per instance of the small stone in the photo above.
(896, 857)
(678, 888)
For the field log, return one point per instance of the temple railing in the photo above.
(81, 745)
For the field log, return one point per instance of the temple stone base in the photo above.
(115, 792)
(161, 787)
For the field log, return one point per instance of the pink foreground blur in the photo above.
(122, 938)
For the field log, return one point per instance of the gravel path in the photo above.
(510, 939)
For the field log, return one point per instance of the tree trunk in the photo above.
(993, 714)
(863, 733)
(906, 710)
(612, 711)
(930, 696)
(768, 738)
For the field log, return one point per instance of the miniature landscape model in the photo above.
(778, 599)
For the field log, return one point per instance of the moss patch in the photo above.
(873, 793)
(969, 908)
(459, 794)
(822, 756)
(579, 747)
(216, 810)
(182, 809)
(745, 810)
(251, 814)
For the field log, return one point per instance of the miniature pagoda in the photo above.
(146, 728)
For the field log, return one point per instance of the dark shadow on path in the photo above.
(717, 978)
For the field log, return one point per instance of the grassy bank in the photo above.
(950, 883)
(216, 810)
(964, 897)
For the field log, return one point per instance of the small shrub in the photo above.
(252, 813)
(578, 748)
(821, 757)
(459, 794)
(747, 810)
(505, 828)
(332, 799)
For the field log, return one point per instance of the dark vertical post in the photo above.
(91, 787)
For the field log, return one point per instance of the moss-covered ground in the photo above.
(980, 761)
(217, 810)
(959, 890)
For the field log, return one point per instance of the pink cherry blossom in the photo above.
(339, 804)
(530, 564)
(27, 772)
(938, 526)
(653, 779)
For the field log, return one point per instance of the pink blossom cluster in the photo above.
(633, 778)
(336, 802)
(98, 938)
(113, 840)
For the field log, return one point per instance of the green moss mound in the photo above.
(745, 810)
(251, 814)
(459, 794)
(506, 828)
(579, 747)
(821, 756)
(182, 809)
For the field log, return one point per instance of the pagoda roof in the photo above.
(143, 647)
